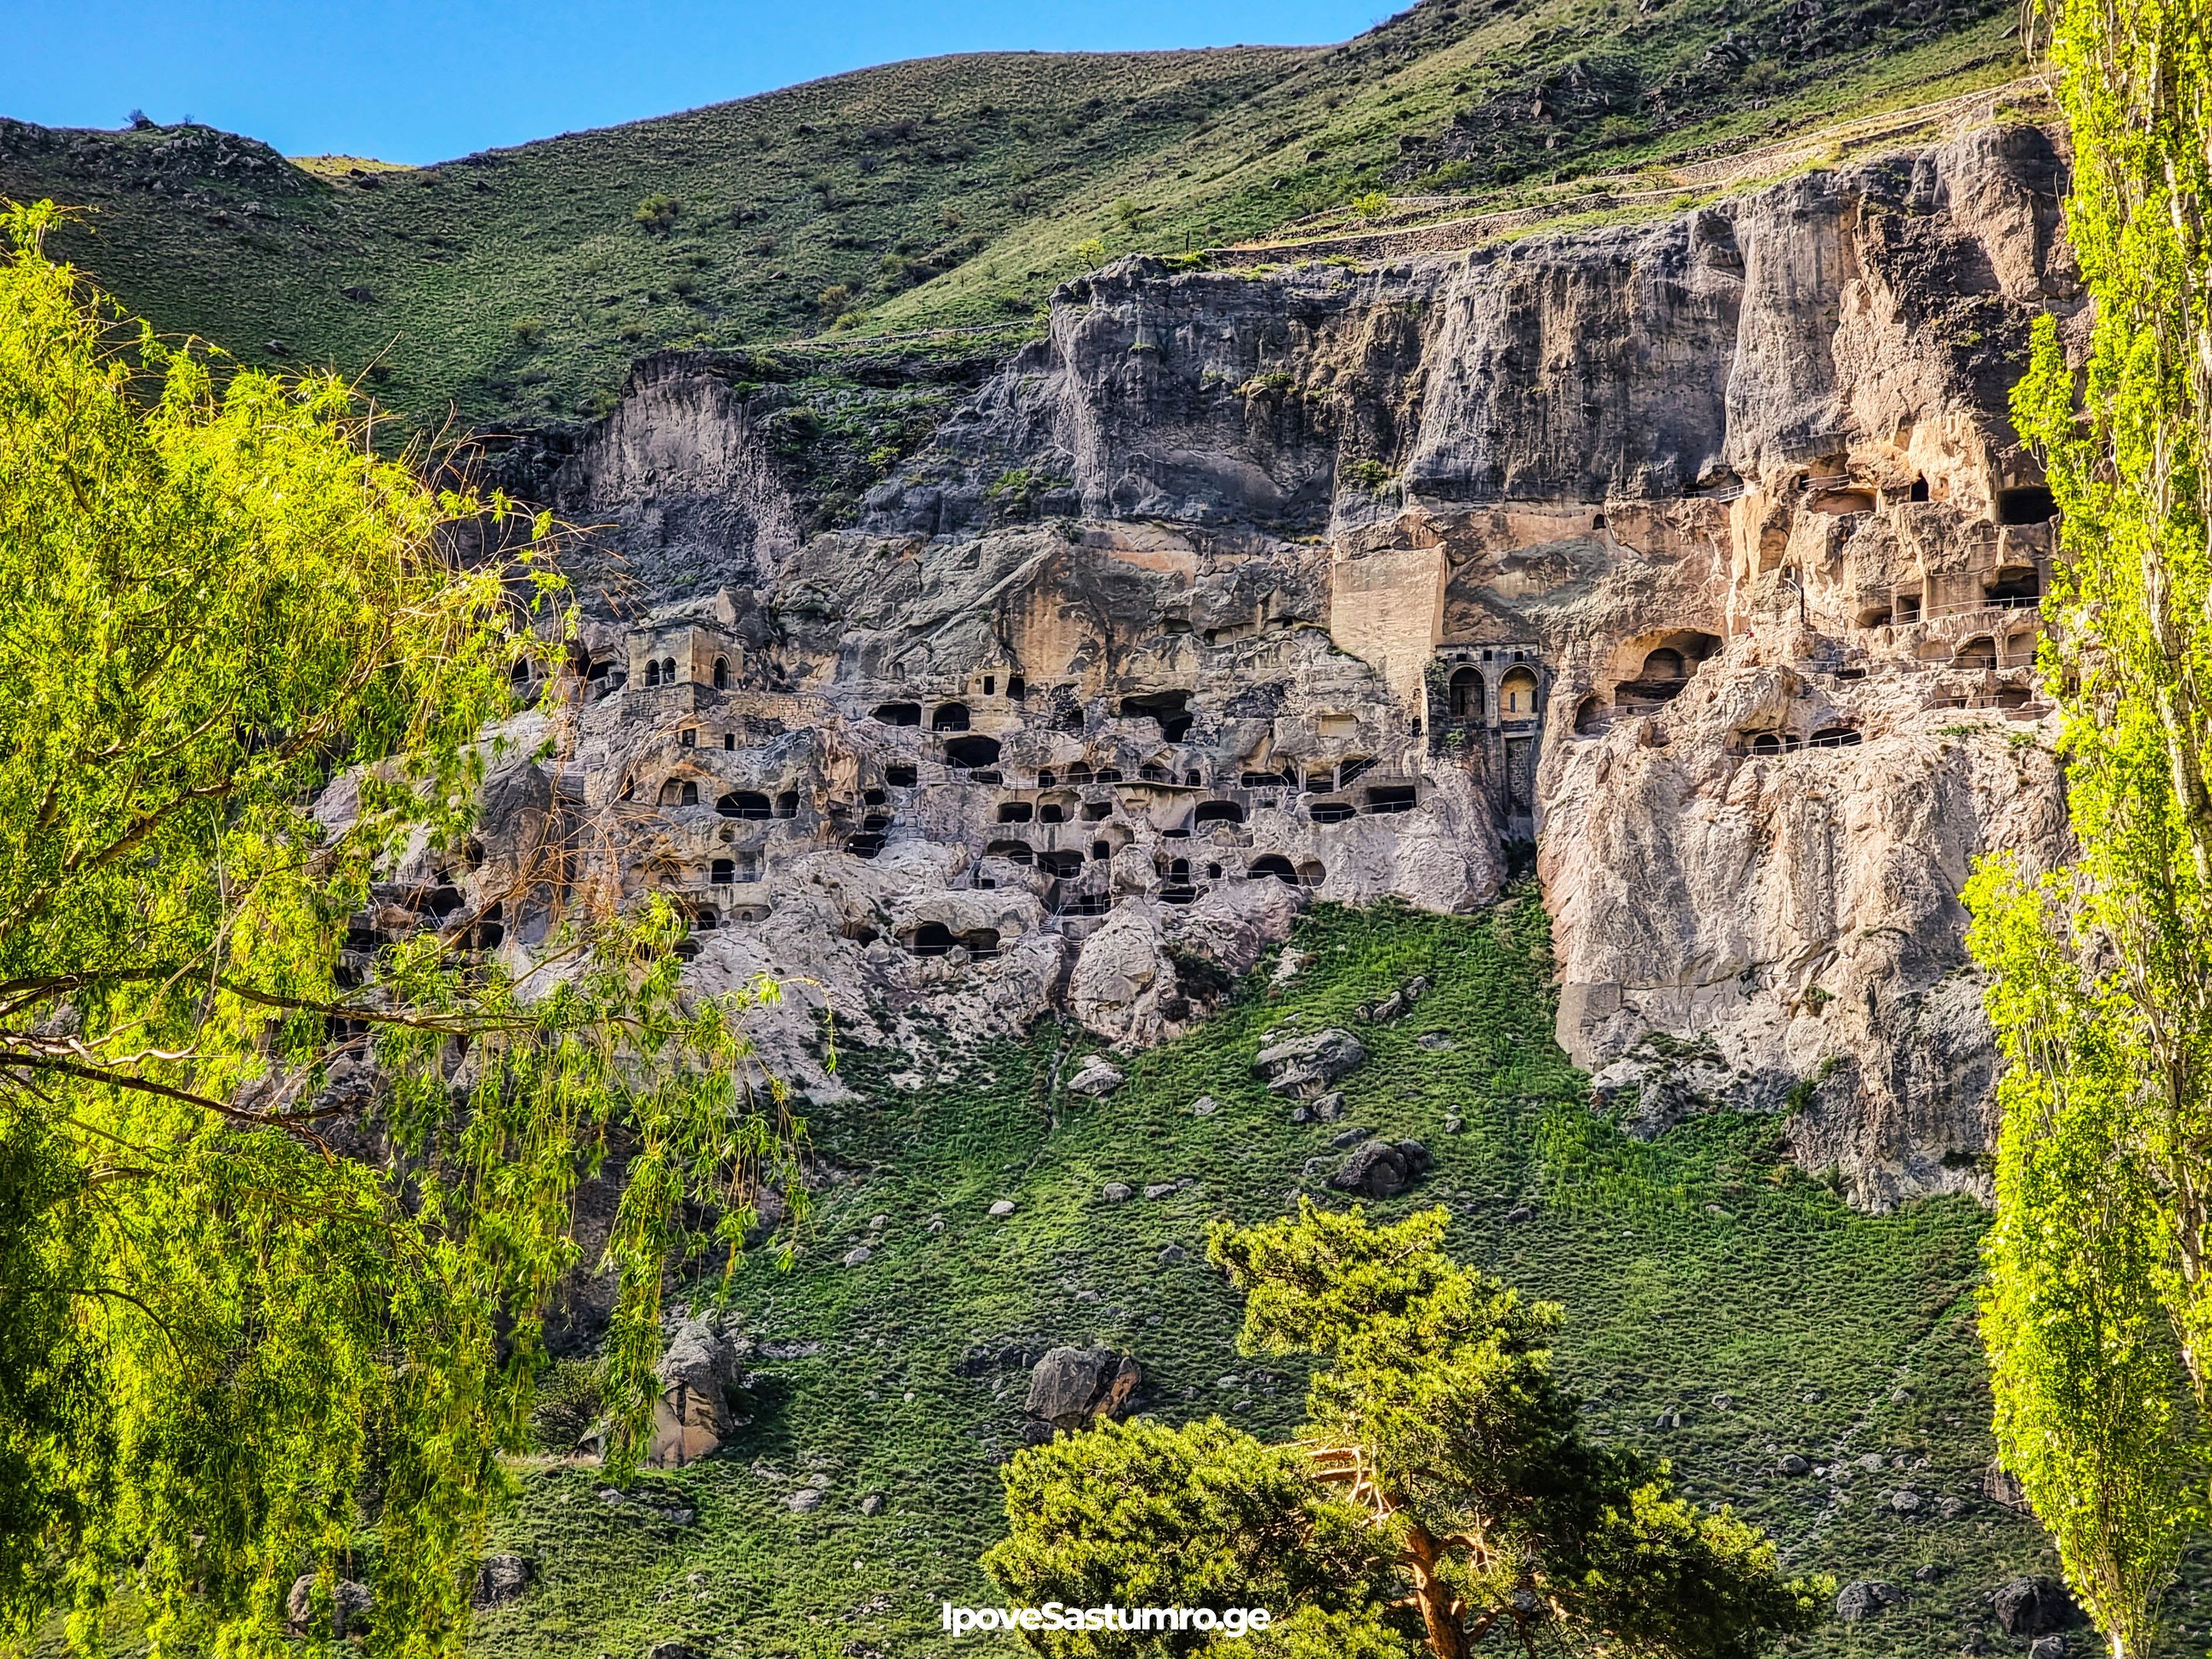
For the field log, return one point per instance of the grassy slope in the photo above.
(948, 190)
(1699, 1265)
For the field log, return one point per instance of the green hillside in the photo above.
(1702, 1275)
(520, 284)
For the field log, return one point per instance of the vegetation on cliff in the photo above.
(520, 284)
(1723, 1311)
(250, 1329)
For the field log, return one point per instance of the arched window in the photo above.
(722, 872)
(1218, 812)
(1275, 865)
(950, 717)
(721, 673)
(1467, 695)
(1590, 717)
(1664, 663)
(653, 673)
(787, 804)
(1977, 653)
(743, 804)
(932, 938)
(1517, 695)
(1017, 687)
(1766, 743)
(900, 714)
(690, 793)
(671, 793)
(1836, 737)
(668, 671)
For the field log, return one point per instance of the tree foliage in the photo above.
(277, 1243)
(2097, 1315)
(1442, 1491)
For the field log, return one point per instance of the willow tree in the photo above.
(276, 1240)
(2098, 1314)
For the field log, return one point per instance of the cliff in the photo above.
(1692, 558)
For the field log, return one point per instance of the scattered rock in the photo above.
(1327, 1108)
(360, 293)
(1905, 1501)
(1072, 1388)
(2047, 1647)
(1301, 1115)
(1974, 1643)
(1453, 1124)
(935, 1224)
(872, 1503)
(856, 1255)
(1951, 1508)
(1863, 1598)
(351, 1606)
(1116, 1192)
(1815, 1397)
(806, 1498)
(1304, 1067)
(878, 1222)
(1791, 1463)
(1004, 1207)
(789, 1350)
(2033, 1606)
(1165, 1189)
(1521, 1213)
(1096, 1076)
(1723, 1402)
(1927, 1573)
(1435, 1042)
(673, 1650)
(1668, 1419)
(1203, 1107)
(1349, 1138)
(500, 1578)
(1382, 1169)
(1172, 1254)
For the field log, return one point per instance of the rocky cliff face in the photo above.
(1694, 556)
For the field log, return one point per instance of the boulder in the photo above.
(1003, 1208)
(1791, 1463)
(351, 1606)
(1863, 1598)
(2033, 1606)
(500, 1578)
(1072, 1388)
(1381, 1168)
(1305, 1066)
(1095, 1077)
(699, 1370)
(1116, 1192)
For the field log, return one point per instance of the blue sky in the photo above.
(415, 80)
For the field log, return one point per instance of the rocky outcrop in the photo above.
(700, 1371)
(1073, 1388)
(1695, 554)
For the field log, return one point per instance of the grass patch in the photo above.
(1698, 1265)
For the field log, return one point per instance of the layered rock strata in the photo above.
(1694, 559)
